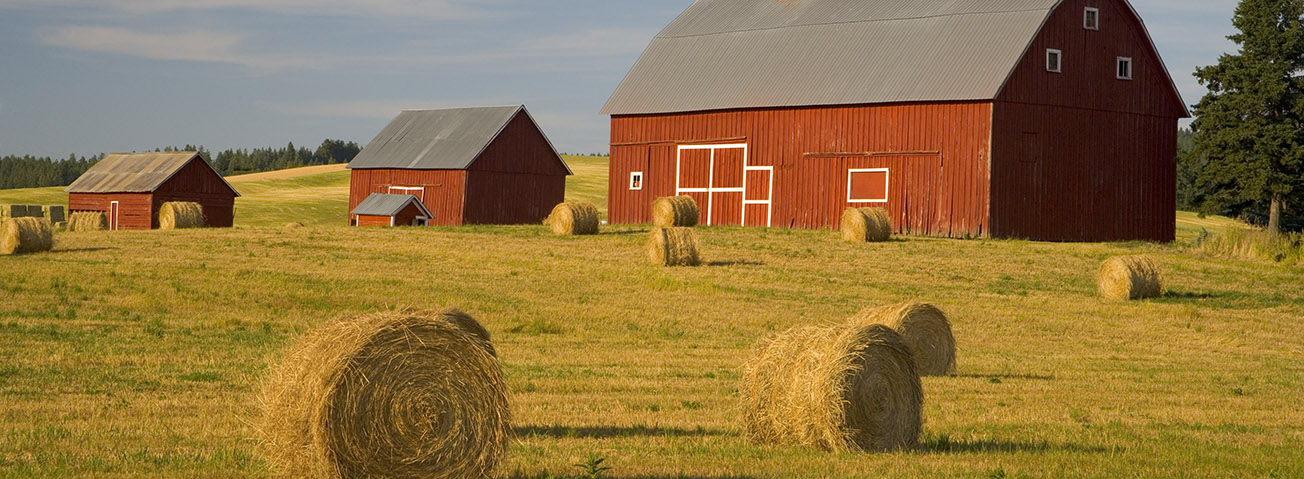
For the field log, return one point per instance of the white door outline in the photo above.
(711, 189)
(114, 211)
(408, 190)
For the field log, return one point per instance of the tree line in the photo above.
(35, 172)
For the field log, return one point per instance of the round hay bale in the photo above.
(88, 221)
(398, 394)
(1129, 277)
(925, 330)
(25, 235)
(673, 247)
(671, 211)
(574, 218)
(845, 388)
(866, 224)
(180, 214)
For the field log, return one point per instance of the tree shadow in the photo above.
(600, 432)
(740, 262)
(1040, 377)
(945, 445)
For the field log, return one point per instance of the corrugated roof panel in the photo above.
(384, 204)
(435, 139)
(131, 172)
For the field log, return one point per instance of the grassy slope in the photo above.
(134, 354)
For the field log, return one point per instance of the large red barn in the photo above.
(131, 187)
(1038, 119)
(487, 165)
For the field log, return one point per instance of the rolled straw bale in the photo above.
(87, 221)
(673, 247)
(397, 394)
(180, 214)
(25, 235)
(925, 330)
(574, 218)
(54, 213)
(670, 211)
(866, 224)
(844, 388)
(1129, 277)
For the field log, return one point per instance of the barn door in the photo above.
(758, 189)
(113, 215)
(907, 185)
(715, 176)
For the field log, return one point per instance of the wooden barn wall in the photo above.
(197, 183)
(443, 194)
(135, 210)
(520, 148)
(370, 220)
(941, 149)
(511, 198)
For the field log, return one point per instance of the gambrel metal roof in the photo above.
(136, 172)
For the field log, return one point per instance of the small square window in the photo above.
(1053, 60)
(636, 180)
(1124, 68)
(1091, 18)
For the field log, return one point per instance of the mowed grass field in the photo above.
(141, 354)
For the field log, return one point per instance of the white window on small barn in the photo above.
(1053, 60)
(636, 180)
(1124, 68)
(1091, 18)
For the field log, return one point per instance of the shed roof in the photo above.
(136, 172)
(384, 204)
(449, 139)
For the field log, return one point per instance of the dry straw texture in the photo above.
(87, 221)
(574, 218)
(673, 247)
(398, 394)
(866, 224)
(925, 330)
(25, 235)
(846, 388)
(671, 211)
(1129, 277)
(180, 214)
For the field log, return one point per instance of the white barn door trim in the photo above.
(711, 189)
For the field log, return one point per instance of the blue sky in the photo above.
(90, 76)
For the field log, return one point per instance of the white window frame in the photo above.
(408, 190)
(1091, 13)
(1118, 63)
(1059, 60)
(639, 176)
(421, 221)
(887, 185)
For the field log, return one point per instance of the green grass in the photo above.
(321, 199)
(141, 353)
(590, 180)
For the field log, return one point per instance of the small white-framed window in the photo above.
(1124, 68)
(1053, 59)
(636, 180)
(420, 221)
(868, 185)
(1091, 18)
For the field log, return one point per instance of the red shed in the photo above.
(489, 165)
(131, 187)
(382, 209)
(1038, 119)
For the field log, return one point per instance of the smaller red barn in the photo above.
(486, 165)
(382, 209)
(131, 187)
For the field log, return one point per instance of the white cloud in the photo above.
(190, 45)
(420, 9)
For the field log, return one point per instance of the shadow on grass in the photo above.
(1040, 377)
(1180, 295)
(943, 444)
(83, 250)
(615, 431)
(741, 262)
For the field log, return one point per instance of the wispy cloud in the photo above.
(188, 45)
(420, 9)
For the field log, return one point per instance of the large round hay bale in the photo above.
(925, 330)
(671, 211)
(398, 394)
(845, 388)
(673, 247)
(180, 214)
(1129, 277)
(88, 221)
(26, 235)
(574, 218)
(866, 224)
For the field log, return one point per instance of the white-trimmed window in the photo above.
(1124, 71)
(867, 185)
(636, 180)
(1091, 18)
(1053, 59)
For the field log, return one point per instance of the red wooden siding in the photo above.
(520, 148)
(134, 209)
(198, 183)
(370, 220)
(510, 198)
(442, 191)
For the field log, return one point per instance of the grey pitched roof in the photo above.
(383, 204)
(135, 172)
(723, 54)
(436, 139)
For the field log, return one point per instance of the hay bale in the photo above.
(25, 235)
(574, 218)
(866, 224)
(399, 394)
(671, 211)
(843, 388)
(925, 330)
(88, 221)
(673, 247)
(180, 214)
(54, 213)
(1129, 277)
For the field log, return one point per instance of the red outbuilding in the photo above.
(383, 209)
(1039, 119)
(489, 165)
(131, 187)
